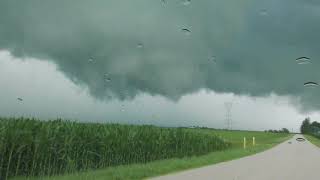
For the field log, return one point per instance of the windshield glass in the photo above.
(166, 65)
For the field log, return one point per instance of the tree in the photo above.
(315, 124)
(285, 130)
(305, 127)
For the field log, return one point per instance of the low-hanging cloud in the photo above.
(119, 49)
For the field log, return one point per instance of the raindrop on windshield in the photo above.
(186, 31)
(311, 84)
(300, 139)
(91, 60)
(263, 12)
(303, 60)
(140, 45)
(19, 99)
(186, 2)
(107, 78)
(212, 59)
(122, 108)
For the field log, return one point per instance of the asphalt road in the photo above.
(295, 161)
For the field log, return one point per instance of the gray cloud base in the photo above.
(140, 46)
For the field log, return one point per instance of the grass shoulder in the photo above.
(313, 140)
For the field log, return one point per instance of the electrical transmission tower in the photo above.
(228, 119)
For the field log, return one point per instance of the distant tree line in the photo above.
(283, 130)
(202, 127)
(310, 128)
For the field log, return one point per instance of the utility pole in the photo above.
(228, 117)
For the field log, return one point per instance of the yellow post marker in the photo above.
(244, 142)
(253, 141)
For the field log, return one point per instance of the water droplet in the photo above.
(122, 108)
(300, 139)
(140, 45)
(311, 84)
(107, 77)
(303, 60)
(91, 60)
(186, 31)
(19, 99)
(263, 12)
(212, 59)
(163, 2)
(186, 2)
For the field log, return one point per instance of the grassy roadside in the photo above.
(313, 140)
(156, 168)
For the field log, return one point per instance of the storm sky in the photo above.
(168, 63)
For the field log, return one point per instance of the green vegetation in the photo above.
(283, 130)
(236, 137)
(157, 168)
(30, 147)
(160, 167)
(310, 128)
(311, 131)
(313, 140)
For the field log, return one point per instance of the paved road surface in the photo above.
(296, 161)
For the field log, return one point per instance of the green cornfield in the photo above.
(29, 147)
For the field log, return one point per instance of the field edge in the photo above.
(164, 167)
(315, 141)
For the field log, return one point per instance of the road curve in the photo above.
(286, 161)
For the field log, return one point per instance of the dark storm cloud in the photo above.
(119, 48)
